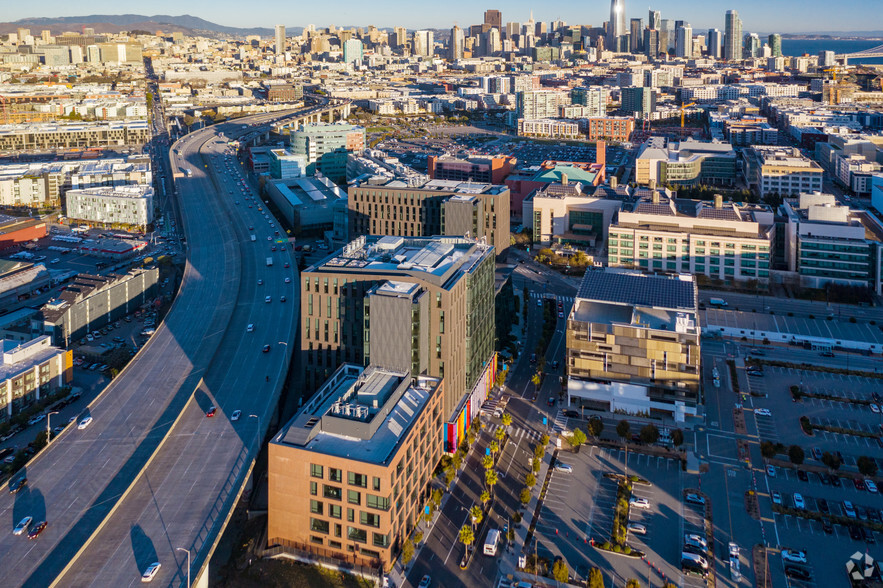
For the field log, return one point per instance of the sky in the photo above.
(786, 16)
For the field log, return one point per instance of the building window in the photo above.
(335, 475)
(351, 515)
(334, 511)
(378, 502)
(315, 507)
(335, 544)
(319, 525)
(338, 530)
(354, 497)
(314, 488)
(369, 519)
(315, 539)
(332, 492)
(376, 484)
(357, 535)
(317, 471)
(380, 540)
(357, 479)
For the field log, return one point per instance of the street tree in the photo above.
(466, 536)
(499, 434)
(623, 429)
(524, 496)
(677, 437)
(407, 552)
(494, 447)
(560, 572)
(491, 478)
(530, 480)
(477, 515)
(487, 461)
(485, 497)
(866, 465)
(595, 426)
(632, 583)
(596, 578)
(649, 434)
(577, 438)
(796, 454)
(831, 460)
(506, 419)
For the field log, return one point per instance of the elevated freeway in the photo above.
(152, 473)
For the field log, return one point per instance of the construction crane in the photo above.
(684, 106)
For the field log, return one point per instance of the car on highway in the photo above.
(874, 408)
(639, 502)
(266, 348)
(282, 299)
(37, 529)
(22, 526)
(249, 328)
(563, 467)
(637, 528)
(871, 486)
(236, 414)
(763, 412)
(267, 299)
(85, 422)
(287, 280)
(425, 582)
(827, 354)
(151, 571)
(211, 411)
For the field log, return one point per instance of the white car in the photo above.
(637, 528)
(639, 502)
(871, 486)
(236, 414)
(267, 299)
(777, 498)
(799, 502)
(22, 526)
(85, 422)
(694, 539)
(875, 409)
(563, 467)
(763, 412)
(151, 571)
(794, 555)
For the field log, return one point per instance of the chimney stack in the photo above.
(718, 201)
(654, 197)
(652, 185)
(563, 179)
(614, 182)
(601, 152)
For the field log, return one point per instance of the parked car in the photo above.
(855, 533)
(771, 471)
(802, 476)
(637, 528)
(694, 499)
(563, 467)
(871, 486)
(798, 573)
(777, 498)
(849, 509)
(858, 483)
(799, 503)
(823, 505)
(639, 502)
(150, 572)
(794, 555)
(868, 535)
(211, 411)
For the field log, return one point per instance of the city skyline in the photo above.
(788, 16)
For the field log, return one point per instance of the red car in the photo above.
(36, 530)
(859, 483)
(211, 411)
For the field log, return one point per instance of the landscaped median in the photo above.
(619, 533)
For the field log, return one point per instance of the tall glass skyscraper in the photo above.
(732, 36)
(616, 27)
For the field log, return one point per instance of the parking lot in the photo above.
(579, 508)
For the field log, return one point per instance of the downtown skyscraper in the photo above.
(732, 36)
(616, 27)
(280, 39)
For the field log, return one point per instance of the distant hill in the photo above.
(112, 23)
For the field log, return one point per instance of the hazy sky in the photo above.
(757, 15)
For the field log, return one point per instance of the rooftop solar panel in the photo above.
(638, 289)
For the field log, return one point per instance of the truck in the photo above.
(718, 302)
(269, 261)
(490, 543)
(188, 172)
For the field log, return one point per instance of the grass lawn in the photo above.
(273, 573)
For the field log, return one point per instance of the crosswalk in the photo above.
(560, 423)
(562, 299)
(516, 433)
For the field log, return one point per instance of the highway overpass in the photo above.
(152, 474)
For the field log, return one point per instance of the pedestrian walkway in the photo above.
(560, 424)
(516, 434)
(562, 299)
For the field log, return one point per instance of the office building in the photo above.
(548, 128)
(654, 20)
(732, 36)
(827, 59)
(687, 162)
(827, 243)
(348, 475)
(280, 40)
(89, 303)
(651, 43)
(751, 46)
(493, 19)
(565, 213)
(308, 204)
(29, 371)
(720, 240)
(684, 41)
(616, 27)
(780, 170)
(714, 42)
(633, 344)
(638, 102)
(614, 128)
(284, 164)
(438, 207)
(418, 304)
(636, 35)
(775, 43)
(483, 169)
(326, 146)
(285, 93)
(128, 206)
(352, 51)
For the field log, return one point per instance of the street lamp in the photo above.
(48, 430)
(188, 563)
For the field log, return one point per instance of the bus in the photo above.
(490, 544)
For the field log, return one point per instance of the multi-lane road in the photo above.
(152, 473)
